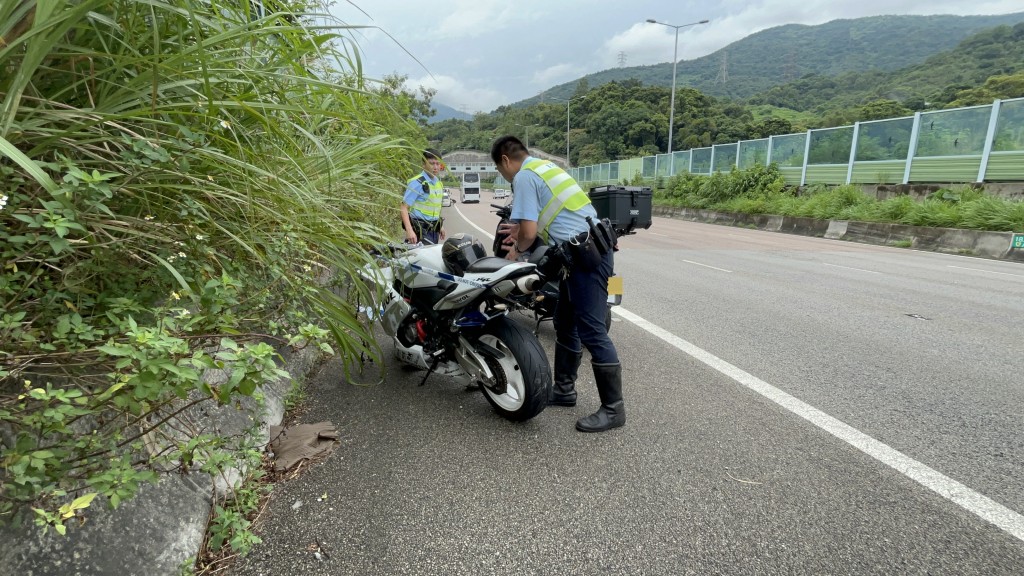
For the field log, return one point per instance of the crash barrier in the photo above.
(960, 145)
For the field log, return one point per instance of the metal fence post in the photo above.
(807, 154)
(989, 140)
(768, 159)
(912, 147)
(853, 152)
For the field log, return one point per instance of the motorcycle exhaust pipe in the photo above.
(529, 283)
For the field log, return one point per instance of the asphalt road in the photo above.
(795, 406)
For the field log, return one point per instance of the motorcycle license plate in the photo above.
(615, 290)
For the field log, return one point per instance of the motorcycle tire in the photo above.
(524, 371)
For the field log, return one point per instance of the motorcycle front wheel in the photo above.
(522, 377)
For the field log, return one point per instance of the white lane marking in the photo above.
(848, 268)
(662, 235)
(988, 271)
(978, 504)
(485, 232)
(706, 266)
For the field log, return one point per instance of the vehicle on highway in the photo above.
(446, 308)
(447, 199)
(544, 299)
(500, 193)
(470, 188)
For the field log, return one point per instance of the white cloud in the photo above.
(485, 53)
(455, 93)
(556, 75)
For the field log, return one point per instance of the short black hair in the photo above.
(508, 146)
(431, 153)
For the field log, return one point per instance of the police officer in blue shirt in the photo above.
(551, 208)
(421, 203)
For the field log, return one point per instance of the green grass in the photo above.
(760, 190)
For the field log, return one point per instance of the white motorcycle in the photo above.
(446, 306)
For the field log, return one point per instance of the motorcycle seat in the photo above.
(487, 264)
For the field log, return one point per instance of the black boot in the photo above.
(567, 363)
(612, 412)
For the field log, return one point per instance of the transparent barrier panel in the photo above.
(649, 166)
(830, 146)
(663, 163)
(753, 152)
(884, 140)
(725, 158)
(958, 132)
(788, 150)
(681, 162)
(702, 161)
(1010, 127)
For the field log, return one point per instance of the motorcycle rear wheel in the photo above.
(523, 371)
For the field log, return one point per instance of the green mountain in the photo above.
(787, 53)
(444, 112)
(956, 77)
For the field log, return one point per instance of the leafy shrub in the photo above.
(177, 179)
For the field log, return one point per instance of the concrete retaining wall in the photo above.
(995, 245)
(155, 532)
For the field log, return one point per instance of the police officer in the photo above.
(550, 206)
(421, 203)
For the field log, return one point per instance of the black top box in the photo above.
(628, 207)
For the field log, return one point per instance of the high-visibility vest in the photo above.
(430, 206)
(566, 194)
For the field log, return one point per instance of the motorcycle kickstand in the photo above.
(433, 366)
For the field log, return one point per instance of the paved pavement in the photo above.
(731, 340)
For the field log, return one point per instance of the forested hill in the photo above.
(786, 53)
(968, 74)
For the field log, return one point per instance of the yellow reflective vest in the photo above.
(566, 194)
(430, 206)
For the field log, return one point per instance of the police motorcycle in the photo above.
(543, 301)
(446, 307)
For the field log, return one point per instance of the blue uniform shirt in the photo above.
(532, 194)
(414, 193)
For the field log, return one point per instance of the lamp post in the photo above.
(527, 126)
(675, 62)
(567, 101)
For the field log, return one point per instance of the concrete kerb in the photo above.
(994, 245)
(155, 532)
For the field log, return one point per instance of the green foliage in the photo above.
(761, 190)
(984, 66)
(177, 180)
(758, 186)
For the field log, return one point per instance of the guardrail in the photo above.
(960, 145)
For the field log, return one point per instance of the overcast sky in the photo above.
(481, 54)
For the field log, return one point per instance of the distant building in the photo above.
(462, 161)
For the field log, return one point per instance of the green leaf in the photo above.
(42, 178)
(115, 350)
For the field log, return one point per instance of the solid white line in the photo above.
(978, 504)
(988, 271)
(662, 235)
(848, 268)
(485, 232)
(706, 266)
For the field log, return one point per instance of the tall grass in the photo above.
(178, 176)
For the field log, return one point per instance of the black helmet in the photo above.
(461, 250)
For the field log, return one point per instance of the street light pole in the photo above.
(675, 63)
(527, 132)
(567, 102)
